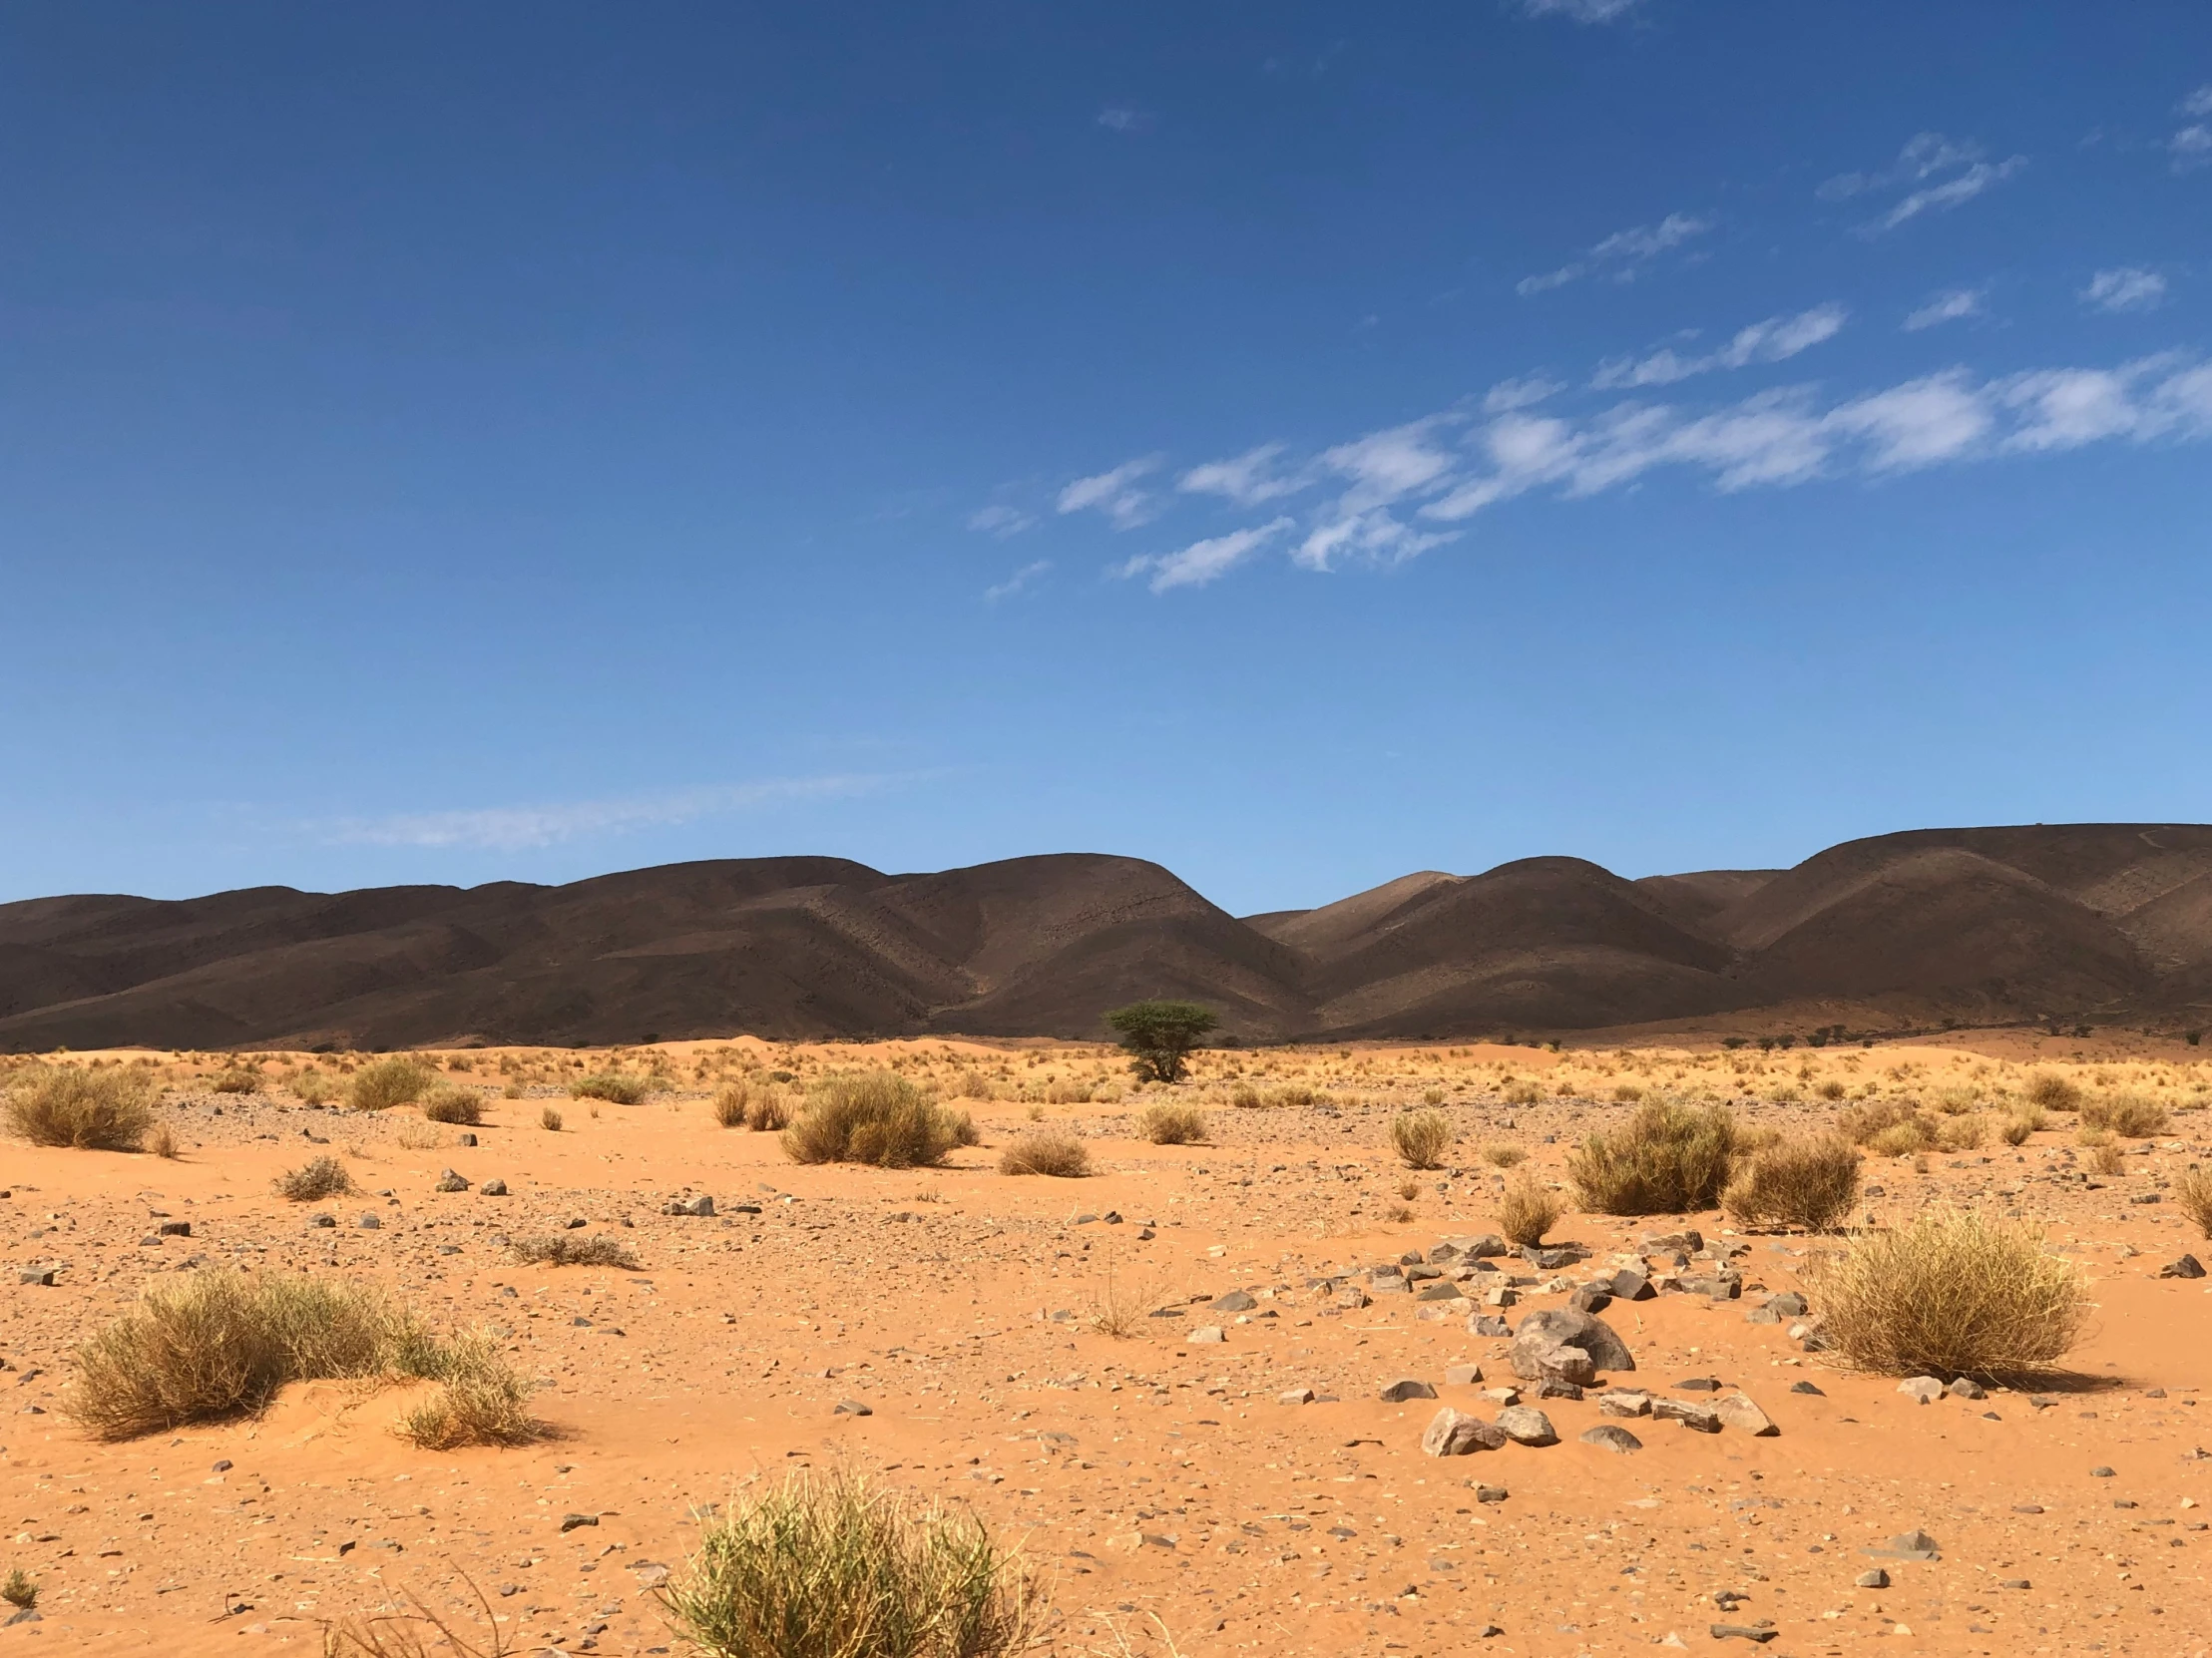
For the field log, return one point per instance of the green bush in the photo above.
(1668, 1158)
(878, 1118)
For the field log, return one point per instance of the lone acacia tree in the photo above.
(1161, 1035)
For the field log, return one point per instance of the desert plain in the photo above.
(1164, 1380)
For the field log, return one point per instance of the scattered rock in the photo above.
(1462, 1375)
(568, 1522)
(1206, 1333)
(1587, 1331)
(701, 1205)
(1806, 1388)
(1744, 1632)
(1789, 1303)
(36, 1275)
(493, 1188)
(1704, 1419)
(1491, 1493)
(1874, 1578)
(1965, 1387)
(2013, 1583)
(1611, 1438)
(1536, 1357)
(450, 1181)
(1236, 1301)
(1688, 1241)
(369, 1223)
(852, 1408)
(2187, 1267)
(1456, 1434)
(1397, 1393)
(1488, 1324)
(175, 1229)
(1631, 1284)
(1698, 1384)
(2101, 1472)
(1295, 1395)
(1925, 1389)
(1623, 1402)
(1738, 1411)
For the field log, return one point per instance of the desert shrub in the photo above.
(382, 1084)
(1902, 1140)
(1166, 1125)
(837, 1569)
(459, 1106)
(731, 1103)
(1522, 1091)
(2192, 1195)
(1956, 1100)
(1294, 1094)
(235, 1082)
(214, 1344)
(574, 1249)
(2106, 1157)
(1810, 1183)
(1831, 1089)
(1421, 1138)
(1431, 1096)
(617, 1087)
(2053, 1090)
(1047, 1152)
(314, 1180)
(1862, 1123)
(1526, 1212)
(1068, 1093)
(162, 1141)
(768, 1111)
(19, 1589)
(1246, 1098)
(479, 1401)
(1961, 1134)
(549, 1119)
(1668, 1158)
(1503, 1155)
(879, 1117)
(973, 1085)
(2013, 1129)
(2135, 1115)
(1950, 1294)
(90, 1110)
(313, 1088)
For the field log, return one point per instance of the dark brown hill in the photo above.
(2076, 921)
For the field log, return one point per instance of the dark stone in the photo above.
(175, 1229)
(2187, 1267)
(568, 1522)
(493, 1188)
(1611, 1438)
(1806, 1388)
(1607, 1352)
(1406, 1388)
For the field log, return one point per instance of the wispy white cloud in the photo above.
(1523, 393)
(1120, 119)
(1016, 582)
(1001, 520)
(1923, 164)
(1950, 305)
(2191, 147)
(520, 828)
(1202, 561)
(1581, 11)
(1625, 253)
(2124, 289)
(1774, 340)
(1116, 492)
(1248, 479)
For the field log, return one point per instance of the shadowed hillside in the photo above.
(2061, 921)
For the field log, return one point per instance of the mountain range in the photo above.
(1983, 926)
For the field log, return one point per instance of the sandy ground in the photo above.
(1173, 1501)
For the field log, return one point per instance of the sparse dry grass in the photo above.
(1961, 1134)
(1668, 1158)
(383, 1084)
(1124, 1305)
(479, 1401)
(549, 1119)
(419, 1634)
(19, 1589)
(88, 1110)
(836, 1567)
(617, 1087)
(2192, 1195)
(1950, 1294)
(162, 1141)
(1808, 1183)
(1166, 1123)
(1047, 1151)
(1422, 1139)
(1526, 1212)
(731, 1102)
(314, 1180)
(1890, 1128)
(464, 1106)
(1503, 1156)
(878, 1118)
(2135, 1117)
(213, 1344)
(2052, 1090)
(574, 1249)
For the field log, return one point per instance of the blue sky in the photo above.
(1300, 444)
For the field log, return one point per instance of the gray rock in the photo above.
(36, 1275)
(2187, 1267)
(1525, 1424)
(1631, 1284)
(570, 1522)
(1698, 1384)
(1491, 1493)
(1737, 1410)
(1965, 1387)
(1397, 1393)
(1688, 1241)
(1704, 1419)
(322, 1220)
(369, 1223)
(1462, 1375)
(701, 1205)
(1295, 1395)
(1925, 1389)
(1456, 1434)
(493, 1188)
(1549, 1387)
(1611, 1438)
(1761, 1632)
(1351, 1298)
(852, 1408)
(1488, 1324)
(1872, 1578)
(450, 1181)
(1589, 1298)
(175, 1229)
(465, 1139)
(1206, 1334)
(2100, 1472)
(1806, 1388)
(1623, 1402)
(2013, 1583)
(1440, 1292)
(1236, 1301)
(1789, 1303)
(1607, 1352)
(1535, 1356)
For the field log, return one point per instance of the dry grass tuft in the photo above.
(89, 1110)
(731, 1103)
(1168, 1124)
(879, 1117)
(1893, 1128)
(2053, 1091)
(574, 1249)
(464, 1106)
(1048, 1151)
(19, 1589)
(235, 1082)
(768, 1111)
(838, 1568)
(314, 1180)
(163, 1142)
(1668, 1158)
(2106, 1157)
(617, 1087)
(549, 1119)
(2192, 1195)
(1422, 1139)
(1124, 1308)
(420, 1633)
(2134, 1116)
(1961, 1134)
(382, 1084)
(1503, 1156)
(1808, 1183)
(1951, 1294)
(1526, 1212)
(214, 1344)
(479, 1401)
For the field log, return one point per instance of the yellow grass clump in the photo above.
(464, 1106)
(1809, 1183)
(2134, 1116)
(1668, 1158)
(877, 1117)
(1048, 1151)
(89, 1110)
(1952, 1293)
(1526, 1212)
(383, 1084)
(1164, 1123)
(314, 1180)
(1421, 1138)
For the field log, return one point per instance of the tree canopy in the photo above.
(1161, 1035)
